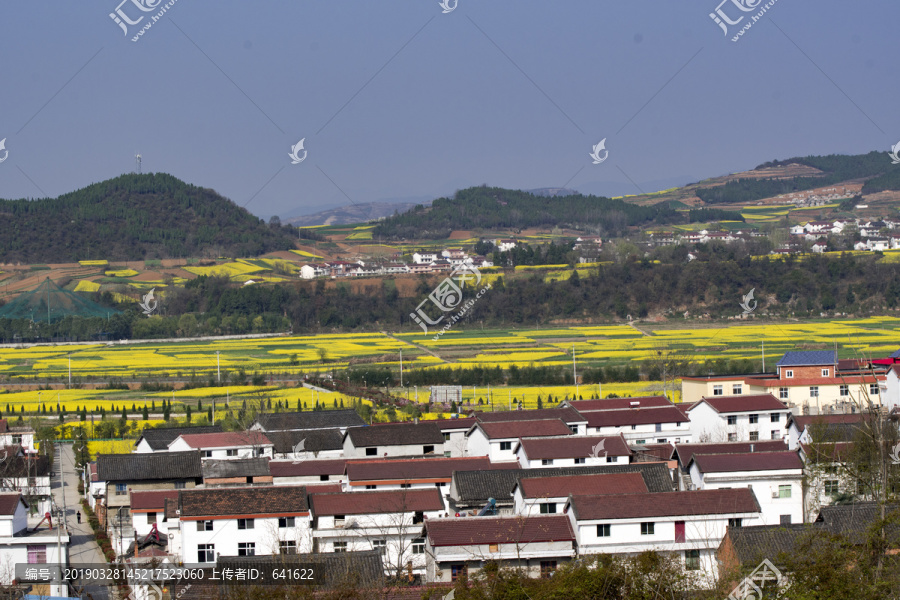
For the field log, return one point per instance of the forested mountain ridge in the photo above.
(133, 217)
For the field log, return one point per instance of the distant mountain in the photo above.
(354, 213)
(134, 217)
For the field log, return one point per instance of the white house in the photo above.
(571, 451)
(829, 428)
(738, 418)
(418, 473)
(158, 439)
(243, 521)
(775, 477)
(424, 258)
(654, 425)
(691, 524)
(16, 436)
(30, 475)
(394, 439)
(33, 548)
(454, 432)
(576, 422)
(225, 445)
(548, 495)
(683, 453)
(497, 440)
(290, 472)
(891, 397)
(390, 521)
(461, 546)
(619, 403)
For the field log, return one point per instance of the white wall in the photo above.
(479, 445)
(763, 484)
(670, 432)
(457, 444)
(179, 445)
(226, 536)
(707, 425)
(350, 451)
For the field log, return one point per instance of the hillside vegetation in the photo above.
(133, 217)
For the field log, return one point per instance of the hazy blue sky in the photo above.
(397, 99)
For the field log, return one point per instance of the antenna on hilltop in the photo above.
(137, 161)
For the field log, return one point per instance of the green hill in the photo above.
(134, 217)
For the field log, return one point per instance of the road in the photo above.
(83, 549)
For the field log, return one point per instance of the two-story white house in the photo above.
(572, 450)
(148, 510)
(738, 418)
(537, 545)
(775, 477)
(497, 440)
(568, 415)
(454, 432)
(418, 473)
(290, 472)
(548, 495)
(225, 445)
(41, 547)
(243, 521)
(22, 436)
(683, 453)
(801, 429)
(653, 425)
(30, 475)
(390, 521)
(158, 439)
(394, 439)
(691, 524)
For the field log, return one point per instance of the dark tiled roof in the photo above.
(396, 434)
(566, 413)
(347, 570)
(307, 468)
(9, 502)
(22, 466)
(152, 500)
(149, 466)
(620, 403)
(226, 439)
(409, 469)
(519, 429)
(686, 452)
(653, 452)
(314, 440)
(735, 404)
(475, 487)
(479, 531)
(634, 416)
(774, 542)
(235, 467)
(853, 520)
(575, 446)
(581, 485)
(670, 504)
(807, 358)
(750, 461)
(389, 501)
(159, 438)
(260, 500)
(826, 452)
(832, 428)
(456, 424)
(318, 419)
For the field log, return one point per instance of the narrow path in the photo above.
(419, 346)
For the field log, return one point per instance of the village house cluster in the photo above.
(533, 489)
(422, 263)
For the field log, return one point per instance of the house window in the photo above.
(580, 461)
(789, 374)
(206, 454)
(405, 486)
(506, 445)
(813, 391)
(775, 418)
(573, 428)
(547, 568)
(691, 560)
(603, 530)
(151, 518)
(873, 389)
(754, 436)
(427, 449)
(639, 442)
(754, 419)
(370, 486)
(446, 437)
(245, 524)
(493, 548)
(206, 553)
(660, 441)
(611, 459)
(679, 532)
(785, 520)
(776, 434)
(548, 508)
(784, 491)
(732, 437)
(732, 523)
(340, 546)
(324, 477)
(457, 571)
(831, 486)
(440, 484)
(418, 546)
(737, 389)
(634, 427)
(371, 451)
(121, 489)
(845, 389)
(717, 390)
(783, 393)
(246, 549)
(825, 372)
(204, 525)
(180, 485)
(546, 461)
(648, 528)
(17, 439)
(658, 427)
(231, 452)
(37, 555)
(732, 419)
(284, 522)
(287, 547)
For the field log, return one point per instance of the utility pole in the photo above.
(401, 368)
(574, 373)
(70, 370)
(764, 356)
(218, 371)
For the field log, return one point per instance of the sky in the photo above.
(412, 100)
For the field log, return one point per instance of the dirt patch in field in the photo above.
(460, 235)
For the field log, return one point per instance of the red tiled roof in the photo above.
(581, 485)
(642, 416)
(687, 451)
(451, 424)
(227, 501)
(323, 488)
(307, 468)
(665, 504)
(405, 470)
(660, 451)
(9, 502)
(620, 403)
(151, 500)
(479, 531)
(226, 439)
(735, 404)
(575, 446)
(389, 501)
(750, 461)
(520, 429)
(567, 414)
(94, 472)
(4, 426)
